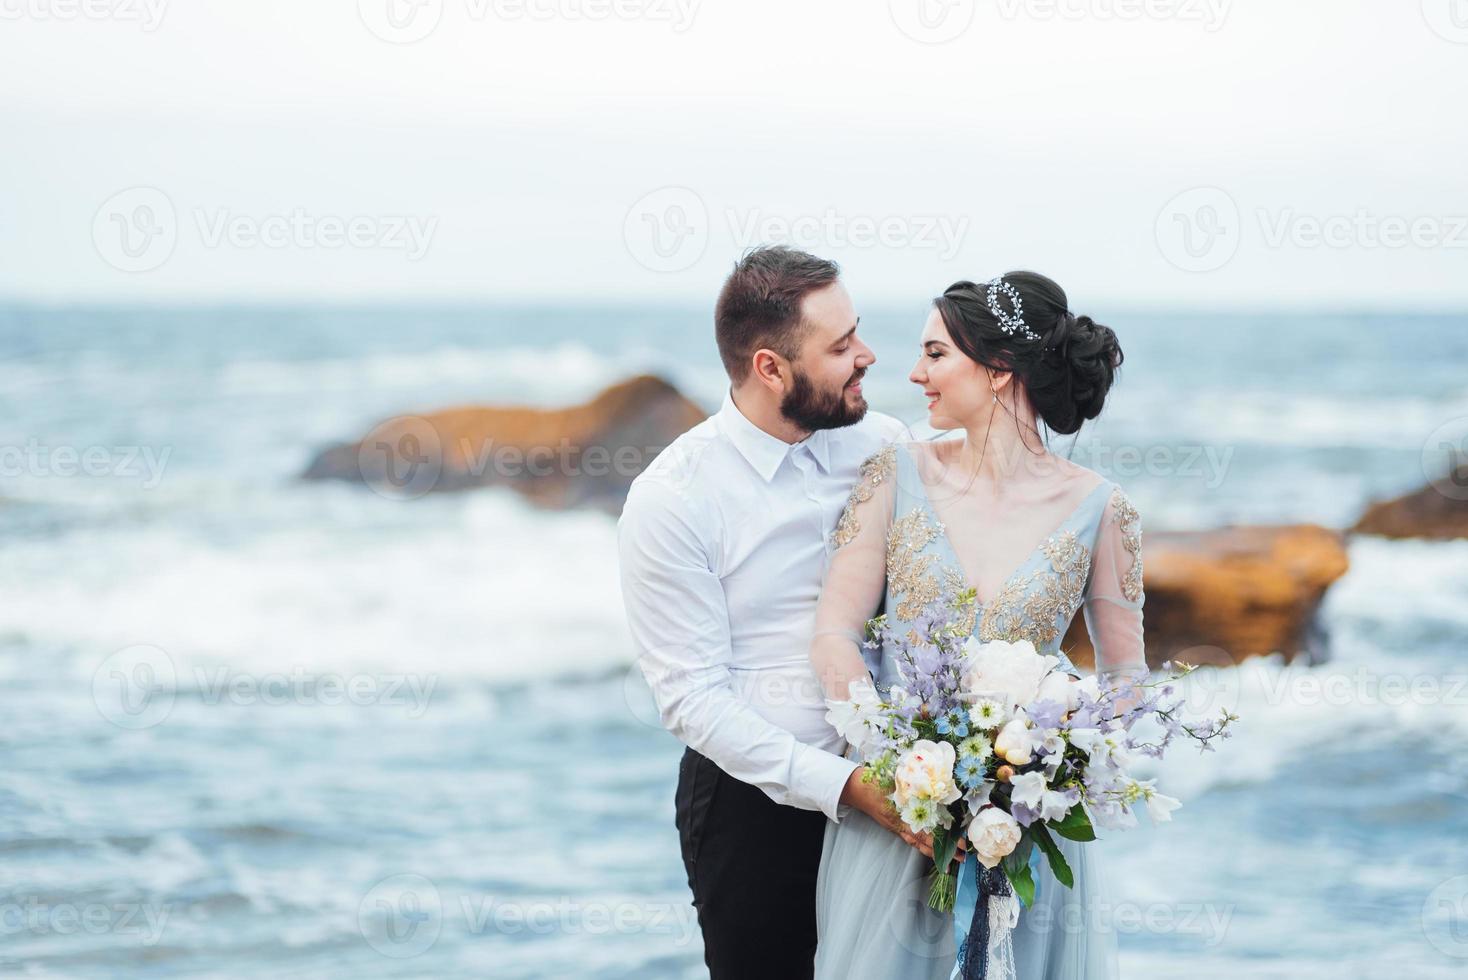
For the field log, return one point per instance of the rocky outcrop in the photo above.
(1216, 597)
(583, 456)
(1439, 510)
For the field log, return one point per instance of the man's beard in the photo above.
(813, 410)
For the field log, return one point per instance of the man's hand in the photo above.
(869, 799)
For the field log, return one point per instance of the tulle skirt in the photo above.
(874, 923)
(872, 914)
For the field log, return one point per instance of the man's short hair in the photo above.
(759, 306)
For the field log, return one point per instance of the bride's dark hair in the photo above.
(1066, 373)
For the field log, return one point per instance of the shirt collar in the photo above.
(764, 451)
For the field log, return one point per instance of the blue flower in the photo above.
(944, 725)
(969, 771)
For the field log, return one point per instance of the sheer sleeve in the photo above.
(856, 575)
(1114, 597)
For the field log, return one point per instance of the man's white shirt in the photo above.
(723, 543)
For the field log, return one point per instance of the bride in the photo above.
(1038, 538)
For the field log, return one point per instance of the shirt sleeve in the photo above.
(856, 576)
(679, 621)
(1114, 596)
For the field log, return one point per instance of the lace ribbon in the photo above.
(988, 949)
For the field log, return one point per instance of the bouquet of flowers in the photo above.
(991, 741)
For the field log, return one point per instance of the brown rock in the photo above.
(586, 455)
(1428, 513)
(1220, 596)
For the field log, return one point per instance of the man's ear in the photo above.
(772, 370)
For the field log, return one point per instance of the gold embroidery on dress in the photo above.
(908, 571)
(1131, 538)
(876, 468)
(910, 575)
(1018, 613)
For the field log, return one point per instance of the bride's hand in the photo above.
(924, 843)
(869, 799)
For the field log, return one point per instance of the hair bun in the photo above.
(1086, 355)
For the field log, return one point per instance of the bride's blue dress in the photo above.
(872, 911)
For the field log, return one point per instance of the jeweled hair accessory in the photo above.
(1015, 319)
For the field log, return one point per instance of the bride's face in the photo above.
(956, 386)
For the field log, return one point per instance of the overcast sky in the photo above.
(1159, 153)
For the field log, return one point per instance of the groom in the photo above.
(723, 548)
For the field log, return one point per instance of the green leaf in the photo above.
(945, 843)
(1022, 882)
(1058, 867)
(1075, 825)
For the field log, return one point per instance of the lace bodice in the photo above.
(907, 538)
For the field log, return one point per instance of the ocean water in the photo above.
(261, 727)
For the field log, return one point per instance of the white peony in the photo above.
(1016, 741)
(999, 668)
(1059, 687)
(926, 771)
(994, 835)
